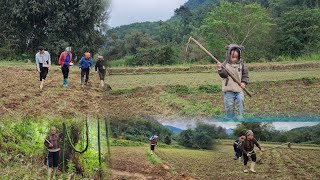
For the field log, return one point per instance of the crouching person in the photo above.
(247, 147)
(52, 142)
(237, 148)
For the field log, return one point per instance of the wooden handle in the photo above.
(217, 61)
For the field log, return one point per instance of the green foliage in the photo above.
(154, 159)
(176, 89)
(167, 140)
(53, 24)
(186, 138)
(246, 24)
(71, 167)
(202, 137)
(190, 107)
(120, 62)
(210, 88)
(299, 32)
(261, 131)
(138, 129)
(163, 55)
(202, 140)
(183, 89)
(309, 80)
(122, 142)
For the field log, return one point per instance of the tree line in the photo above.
(52, 24)
(268, 29)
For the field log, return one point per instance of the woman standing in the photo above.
(43, 63)
(65, 61)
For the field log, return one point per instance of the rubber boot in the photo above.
(49, 173)
(41, 84)
(252, 165)
(102, 83)
(245, 169)
(82, 82)
(65, 82)
(54, 173)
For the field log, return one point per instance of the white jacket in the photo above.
(44, 59)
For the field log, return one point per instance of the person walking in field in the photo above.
(101, 67)
(153, 143)
(85, 65)
(233, 93)
(52, 142)
(43, 64)
(65, 61)
(247, 148)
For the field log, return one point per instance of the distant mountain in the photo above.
(229, 131)
(306, 128)
(173, 129)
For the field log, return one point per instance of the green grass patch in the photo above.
(210, 88)
(122, 142)
(118, 62)
(309, 57)
(309, 80)
(154, 159)
(176, 146)
(188, 107)
(184, 89)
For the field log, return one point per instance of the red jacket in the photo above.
(62, 58)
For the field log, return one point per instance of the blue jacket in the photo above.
(85, 63)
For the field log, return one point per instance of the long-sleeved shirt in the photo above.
(55, 141)
(44, 59)
(248, 145)
(85, 63)
(101, 65)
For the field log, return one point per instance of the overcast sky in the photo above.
(130, 11)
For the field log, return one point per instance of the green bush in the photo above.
(210, 88)
(309, 80)
(139, 129)
(167, 140)
(202, 137)
(163, 55)
(7, 54)
(120, 62)
(175, 89)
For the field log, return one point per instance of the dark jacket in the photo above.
(85, 63)
(239, 70)
(154, 141)
(248, 145)
(101, 65)
(55, 141)
(236, 144)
